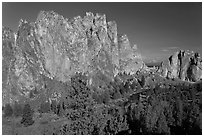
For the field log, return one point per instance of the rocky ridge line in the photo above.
(184, 65)
(57, 48)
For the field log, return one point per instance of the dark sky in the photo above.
(158, 29)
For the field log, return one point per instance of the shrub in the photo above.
(8, 111)
(88, 117)
(45, 107)
(27, 118)
(54, 106)
(17, 110)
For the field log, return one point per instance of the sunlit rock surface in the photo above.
(8, 46)
(57, 48)
(130, 61)
(184, 65)
(87, 44)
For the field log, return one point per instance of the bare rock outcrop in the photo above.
(130, 61)
(86, 44)
(57, 48)
(184, 65)
(8, 47)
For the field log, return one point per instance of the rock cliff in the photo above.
(184, 65)
(57, 48)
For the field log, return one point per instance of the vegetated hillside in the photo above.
(122, 107)
(81, 77)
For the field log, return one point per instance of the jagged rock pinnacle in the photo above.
(184, 65)
(56, 47)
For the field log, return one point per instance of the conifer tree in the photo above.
(27, 118)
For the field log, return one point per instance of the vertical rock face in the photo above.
(8, 39)
(8, 47)
(183, 65)
(58, 48)
(86, 44)
(130, 61)
(22, 63)
(27, 68)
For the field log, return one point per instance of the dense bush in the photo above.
(17, 109)
(121, 106)
(174, 110)
(27, 117)
(142, 81)
(8, 111)
(44, 107)
(54, 106)
(162, 109)
(88, 117)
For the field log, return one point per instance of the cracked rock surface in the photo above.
(184, 65)
(56, 48)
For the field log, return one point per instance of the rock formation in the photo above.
(58, 48)
(184, 65)
(7, 59)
